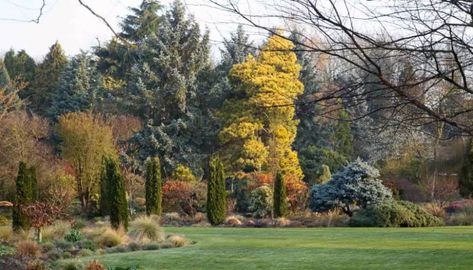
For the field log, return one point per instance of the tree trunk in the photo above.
(39, 235)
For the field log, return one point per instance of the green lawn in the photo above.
(316, 248)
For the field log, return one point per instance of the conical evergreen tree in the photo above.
(117, 58)
(216, 193)
(78, 87)
(26, 193)
(142, 22)
(342, 139)
(47, 77)
(153, 187)
(116, 195)
(258, 123)
(279, 197)
(235, 50)
(173, 59)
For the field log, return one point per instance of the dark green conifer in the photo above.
(116, 195)
(26, 193)
(153, 187)
(465, 181)
(47, 77)
(216, 193)
(279, 196)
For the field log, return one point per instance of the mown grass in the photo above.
(315, 248)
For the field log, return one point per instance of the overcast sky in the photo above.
(75, 28)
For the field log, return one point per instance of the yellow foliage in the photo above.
(253, 154)
(86, 140)
(111, 84)
(261, 122)
(183, 173)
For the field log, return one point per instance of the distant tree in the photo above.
(325, 176)
(85, 141)
(216, 193)
(236, 49)
(280, 197)
(21, 68)
(313, 158)
(116, 58)
(26, 193)
(242, 195)
(117, 195)
(9, 92)
(142, 22)
(47, 77)
(153, 187)
(41, 214)
(357, 184)
(342, 138)
(465, 182)
(4, 76)
(77, 89)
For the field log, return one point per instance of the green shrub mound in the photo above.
(394, 214)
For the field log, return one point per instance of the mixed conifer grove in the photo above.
(150, 122)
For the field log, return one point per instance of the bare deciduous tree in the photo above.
(433, 38)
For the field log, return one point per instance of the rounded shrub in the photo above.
(394, 214)
(73, 236)
(261, 201)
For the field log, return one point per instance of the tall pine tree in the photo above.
(173, 59)
(153, 187)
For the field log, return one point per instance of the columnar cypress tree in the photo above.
(153, 187)
(465, 182)
(280, 197)
(116, 195)
(25, 194)
(216, 194)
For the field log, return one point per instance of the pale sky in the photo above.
(75, 28)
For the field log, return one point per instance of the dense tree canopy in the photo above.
(258, 125)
